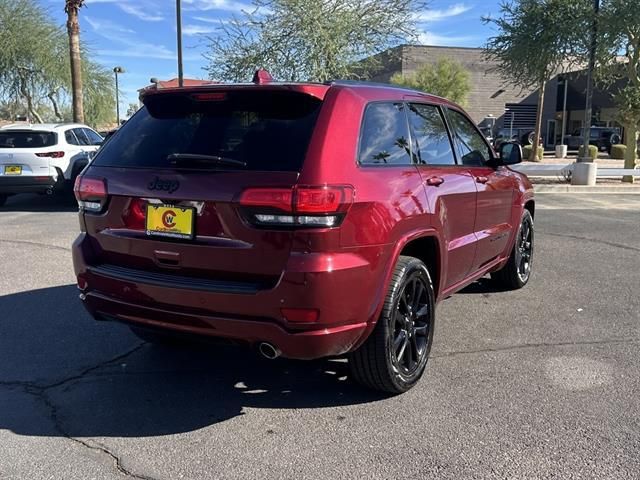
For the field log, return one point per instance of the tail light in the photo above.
(300, 206)
(50, 154)
(91, 193)
(134, 216)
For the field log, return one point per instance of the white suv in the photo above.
(43, 157)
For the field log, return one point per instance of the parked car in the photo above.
(523, 136)
(41, 158)
(307, 220)
(601, 137)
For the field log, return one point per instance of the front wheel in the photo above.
(516, 273)
(395, 355)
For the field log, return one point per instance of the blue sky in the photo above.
(139, 35)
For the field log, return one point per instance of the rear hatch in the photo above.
(27, 152)
(174, 175)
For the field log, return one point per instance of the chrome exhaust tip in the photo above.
(268, 351)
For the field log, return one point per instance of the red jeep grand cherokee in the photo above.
(308, 220)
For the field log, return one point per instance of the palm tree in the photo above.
(73, 28)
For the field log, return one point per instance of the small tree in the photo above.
(72, 8)
(536, 40)
(445, 78)
(310, 39)
(620, 33)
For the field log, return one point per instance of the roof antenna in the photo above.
(261, 77)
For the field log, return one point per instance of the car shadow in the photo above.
(483, 286)
(28, 202)
(62, 373)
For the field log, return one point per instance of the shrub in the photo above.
(526, 153)
(618, 151)
(593, 152)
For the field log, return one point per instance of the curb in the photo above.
(619, 189)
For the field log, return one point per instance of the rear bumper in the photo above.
(343, 288)
(26, 184)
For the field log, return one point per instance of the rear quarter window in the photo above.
(384, 135)
(27, 139)
(268, 130)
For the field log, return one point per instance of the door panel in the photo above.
(450, 190)
(453, 203)
(493, 213)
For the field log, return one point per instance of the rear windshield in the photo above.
(266, 130)
(26, 139)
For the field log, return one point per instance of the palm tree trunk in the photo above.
(536, 140)
(73, 28)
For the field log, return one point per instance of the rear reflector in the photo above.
(300, 315)
(91, 193)
(50, 154)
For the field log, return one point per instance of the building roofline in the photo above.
(413, 45)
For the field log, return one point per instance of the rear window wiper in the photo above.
(176, 158)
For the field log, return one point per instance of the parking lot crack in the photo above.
(35, 244)
(41, 392)
(533, 346)
(89, 370)
(594, 240)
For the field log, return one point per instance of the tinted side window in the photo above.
(82, 138)
(71, 138)
(385, 135)
(430, 135)
(471, 146)
(94, 138)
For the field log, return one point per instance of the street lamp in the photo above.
(179, 42)
(116, 71)
(589, 93)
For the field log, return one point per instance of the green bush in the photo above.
(618, 151)
(526, 153)
(593, 152)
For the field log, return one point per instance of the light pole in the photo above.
(179, 30)
(589, 93)
(116, 71)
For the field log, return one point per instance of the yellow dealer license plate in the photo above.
(12, 170)
(170, 221)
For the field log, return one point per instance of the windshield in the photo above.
(26, 139)
(264, 130)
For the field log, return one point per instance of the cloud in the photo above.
(142, 13)
(125, 43)
(106, 25)
(224, 5)
(211, 20)
(198, 29)
(438, 15)
(444, 40)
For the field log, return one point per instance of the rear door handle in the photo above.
(482, 179)
(435, 181)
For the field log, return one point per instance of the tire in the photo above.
(517, 272)
(3, 199)
(395, 355)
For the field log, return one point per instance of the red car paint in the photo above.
(311, 292)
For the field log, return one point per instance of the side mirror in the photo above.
(510, 153)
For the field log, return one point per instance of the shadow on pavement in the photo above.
(86, 385)
(27, 202)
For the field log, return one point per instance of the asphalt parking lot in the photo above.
(539, 383)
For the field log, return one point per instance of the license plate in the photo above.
(170, 221)
(12, 170)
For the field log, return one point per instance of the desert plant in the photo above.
(593, 152)
(618, 152)
(445, 78)
(526, 153)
